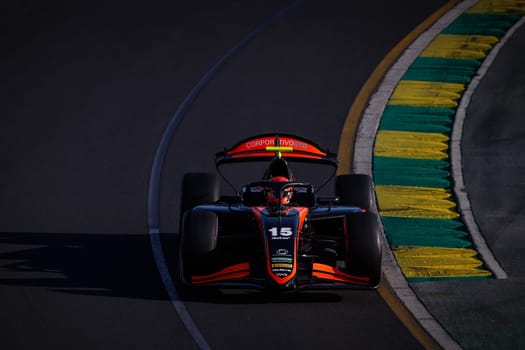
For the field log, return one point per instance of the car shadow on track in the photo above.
(118, 265)
(242, 296)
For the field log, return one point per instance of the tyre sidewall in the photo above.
(364, 248)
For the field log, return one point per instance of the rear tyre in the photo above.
(355, 190)
(198, 240)
(364, 251)
(198, 188)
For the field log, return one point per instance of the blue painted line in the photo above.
(156, 171)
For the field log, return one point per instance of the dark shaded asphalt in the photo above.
(83, 291)
(490, 314)
(87, 91)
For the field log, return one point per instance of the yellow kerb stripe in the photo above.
(503, 7)
(473, 47)
(425, 262)
(415, 202)
(404, 144)
(427, 93)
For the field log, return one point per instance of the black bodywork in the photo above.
(310, 242)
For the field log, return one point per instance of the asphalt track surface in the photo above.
(88, 92)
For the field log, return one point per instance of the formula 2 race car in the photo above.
(278, 233)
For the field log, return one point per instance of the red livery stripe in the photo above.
(331, 273)
(237, 271)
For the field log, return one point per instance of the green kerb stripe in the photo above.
(419, 119)
(446, 70)
(481, 24)
(425, 232)
(411, 172)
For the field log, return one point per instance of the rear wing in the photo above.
(268, 146)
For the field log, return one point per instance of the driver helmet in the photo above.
(272, 197)
(278, 168)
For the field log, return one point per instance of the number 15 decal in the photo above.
(281, 231)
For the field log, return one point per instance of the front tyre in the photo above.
(364, 247)
(198, 240)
